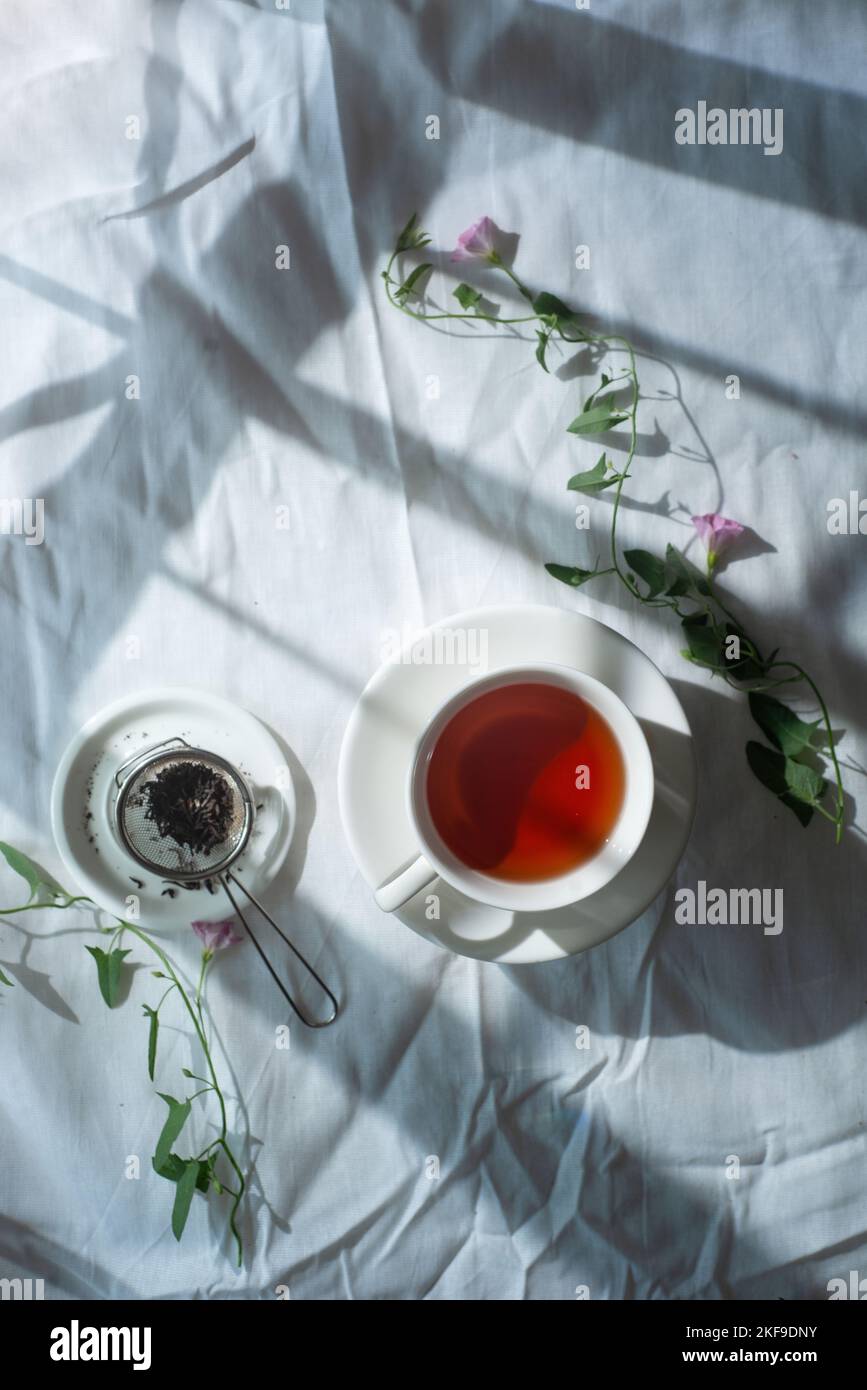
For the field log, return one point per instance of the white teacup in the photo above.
(436, 860)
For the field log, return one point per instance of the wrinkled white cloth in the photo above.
(174, 397)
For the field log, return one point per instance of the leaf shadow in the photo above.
(37, 983)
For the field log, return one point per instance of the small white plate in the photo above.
(84, 793)
(396, 705)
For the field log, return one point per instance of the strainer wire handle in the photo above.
(311, 1023)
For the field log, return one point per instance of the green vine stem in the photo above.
(781, 768)
(392, 285)
(39, 881)
(31, 907)
(197, 1017)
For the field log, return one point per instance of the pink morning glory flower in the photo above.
(215, 936)
(478, 242)
(717, 533)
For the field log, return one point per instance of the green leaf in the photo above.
(412, 236)
(677, 588)
(598, 418)
(545, 303)
(179, 1112)
(591, 478)
(36, 877)
(804, 782)
(184, 1196)
(174, 1166)
(704, 641)
(108, 967)
(781, 725)
(595, 479)
(403, 291)
(571, 574)
(152, 1038)
(649, 568)
(404, 240)
(4, 980)
(684, 574)
(681, 579)
(799, 787)
(172, 1169)
(467, 297)
(743, 667)
(541, 348)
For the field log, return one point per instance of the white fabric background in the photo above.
(262, 388)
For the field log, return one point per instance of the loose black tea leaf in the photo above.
(190, 804)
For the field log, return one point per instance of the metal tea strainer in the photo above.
(180, 864)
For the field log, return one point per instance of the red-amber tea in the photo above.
(525, 782)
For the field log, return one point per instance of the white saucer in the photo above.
(84, 791)
(392, 712)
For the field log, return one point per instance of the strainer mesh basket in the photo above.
(161, 853)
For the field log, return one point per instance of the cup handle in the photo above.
(397, 891)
